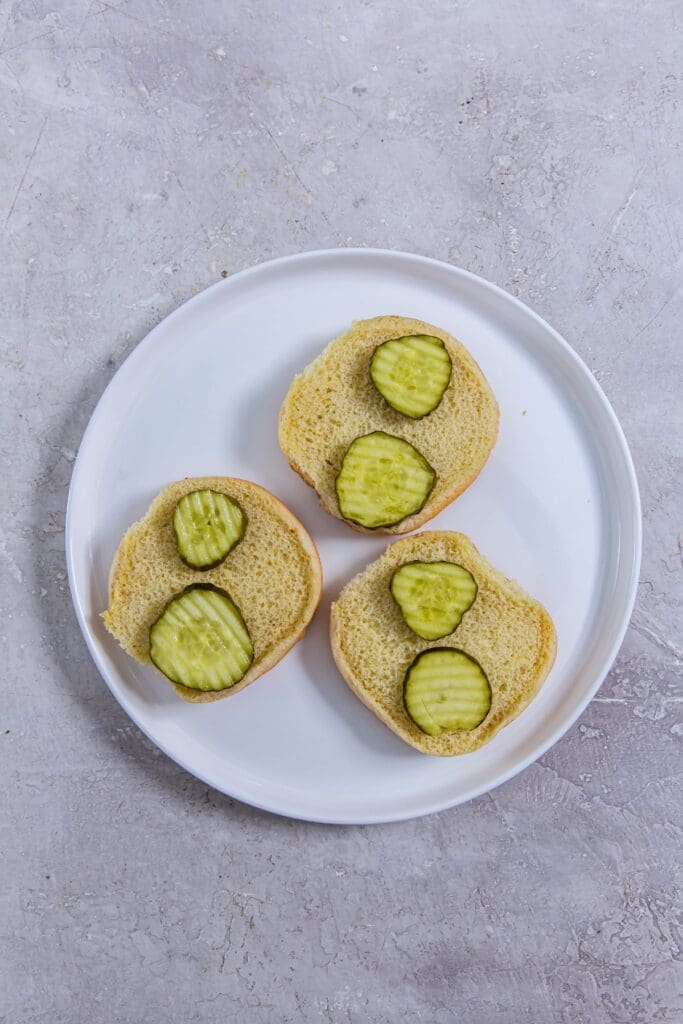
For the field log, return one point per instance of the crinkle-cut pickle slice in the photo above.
(382, 480)
(411, 373)
(433, 596)
(207, 526)
(445, 689)
(200, 639)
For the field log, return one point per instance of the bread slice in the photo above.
(509, 633)
(273, 575)
(334, 401)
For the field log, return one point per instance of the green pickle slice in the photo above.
(411, 373)
(382, 480)
(445, 689)
(200, 639)
(433, 596)
(207, 526)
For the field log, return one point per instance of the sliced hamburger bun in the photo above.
(334, 401)
(273, 575)
(508, 633)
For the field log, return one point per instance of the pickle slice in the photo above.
(433, 596)
(382, 480)
(207, 526)
(200, 639)
(411, 373)
(446, 689)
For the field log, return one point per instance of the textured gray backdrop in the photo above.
(147, 148)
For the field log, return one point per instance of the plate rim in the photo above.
(635, 553)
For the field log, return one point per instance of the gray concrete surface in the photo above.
(147, 148)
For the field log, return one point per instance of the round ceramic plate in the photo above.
(556, 508)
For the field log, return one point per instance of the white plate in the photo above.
(556, 507)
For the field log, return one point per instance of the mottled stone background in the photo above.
(147, 148)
